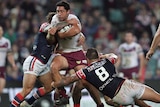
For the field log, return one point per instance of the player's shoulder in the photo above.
(122, 45)
(70, 16)
(5, 39)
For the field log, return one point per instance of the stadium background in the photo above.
(103, 21)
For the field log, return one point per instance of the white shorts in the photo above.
(33, 66)
(129, 90)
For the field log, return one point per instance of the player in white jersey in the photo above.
(5, 52)
(155, 43)
(131, 55)
(72, 56)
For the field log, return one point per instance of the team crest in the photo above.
(78, 62)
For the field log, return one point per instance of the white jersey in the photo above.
(129, 55)
(68, 44)
(5, 46)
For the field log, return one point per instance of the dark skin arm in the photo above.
(75, 29)
(65, 81)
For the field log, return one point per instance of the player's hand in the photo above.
(149, 54)
(52, 30)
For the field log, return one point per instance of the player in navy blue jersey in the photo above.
(101, 74)
(36, 65)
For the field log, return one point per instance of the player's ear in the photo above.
(68, 11)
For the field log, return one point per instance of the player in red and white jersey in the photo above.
(5, 52)
(131, 57)
(72, 56)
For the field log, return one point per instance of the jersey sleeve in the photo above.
(81, 74)
(72, 16)
(9, 49)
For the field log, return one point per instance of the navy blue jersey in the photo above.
(103, 76)
(42, 50)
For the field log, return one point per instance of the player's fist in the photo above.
(113, 58)
(149, 54)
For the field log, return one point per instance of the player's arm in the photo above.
(111, 57)
(142, 65)
(155, 42)
(81, 40)
(11, 60)
(72, 31)
(65, 81)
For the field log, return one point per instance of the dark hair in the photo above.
(130, 31)
(64, 4)
(49, 16)
(92, 54)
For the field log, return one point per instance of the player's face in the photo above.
(62, 13)
(1, 31)
(129, 38)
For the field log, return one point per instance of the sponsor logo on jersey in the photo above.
(78, 62)
(43, 56)
(105, 84)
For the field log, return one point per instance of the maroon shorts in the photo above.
(75, 58)
(130, 73)
(2, 72)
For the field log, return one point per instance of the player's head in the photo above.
(49, 16)
(63, 10)
(1, 31)
(129, 36)
(92, 54)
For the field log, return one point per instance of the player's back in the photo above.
(41, 48)
(103, 76)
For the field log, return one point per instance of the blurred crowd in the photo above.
(104, 23)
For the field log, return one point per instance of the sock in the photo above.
(39, 93)
(17, 100)
(101, 105)
(76, 105)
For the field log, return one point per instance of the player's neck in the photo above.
(92, 61)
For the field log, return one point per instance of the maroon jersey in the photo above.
(103, 76)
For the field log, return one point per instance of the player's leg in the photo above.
(58, 64)
(110, 102)
(76, 93)
(94, 93)
(140, 103)
(151, 95)
(2, 84)
(46, 81)
(28, 84)
(2, 79)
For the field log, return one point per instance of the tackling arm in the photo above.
(111, 57)
(65, 81)
(156, 40)
(154, 44)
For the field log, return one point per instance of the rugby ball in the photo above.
(65, 28)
